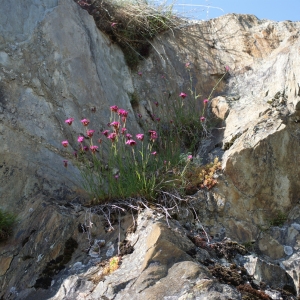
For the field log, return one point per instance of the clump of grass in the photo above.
(120, 165)
(7, 220)
(131, 24)
(176, 117)
(135, 166)
(278, 219)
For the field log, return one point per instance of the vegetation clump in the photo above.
(279, 219)
(131, 24)
(7, 220)
(117, 164)
(108, 266)
(203, 176)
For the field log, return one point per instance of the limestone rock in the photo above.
(273, 275)
(4, 264)
(220, 107)
(269, 246)
(55, 64)
(157, 269)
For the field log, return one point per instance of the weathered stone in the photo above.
(4, 264)
(288, 250)
(56, 64)
(273, 275)
(56, 75)
(220, 107)
(271, 247)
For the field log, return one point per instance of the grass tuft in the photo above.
(7, 220)
(131, 24)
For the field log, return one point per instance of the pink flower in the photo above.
(153, 135)
(93, 148)
(205, 101)
(65, 143)
(154, 153)
(139, 115)
(112, 136)
(117, 177)
(202, 119)
(140, 137)
(69, 121)
(114, 108)
(123, 113)
(190, 157)
(131, 142)
(158, 119)
(123, 130)
(115, 124)
(90, 132)
(80, 139)
(156, 103)
(128, 136)
(113, 24)
(65, 163)
(85, 122)
(86, 148)
(140, 73)
(100, 141)
(83, 3)
(187, 65)
(182, 95)
(105, 132)
(227, 68)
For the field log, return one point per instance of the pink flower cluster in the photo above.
(113, 136)
(80, 139)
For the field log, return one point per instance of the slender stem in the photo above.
(214, 88)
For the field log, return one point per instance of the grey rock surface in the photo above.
(159, 268)
(55, 64)
(63, 68)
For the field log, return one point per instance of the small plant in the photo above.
(249, 246)
(112, 265)
(279, 219)
(7, 221)
(200, 177)
(108, 267)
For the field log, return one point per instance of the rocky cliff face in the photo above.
(56, 64)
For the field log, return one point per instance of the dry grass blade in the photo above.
(131, 24)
